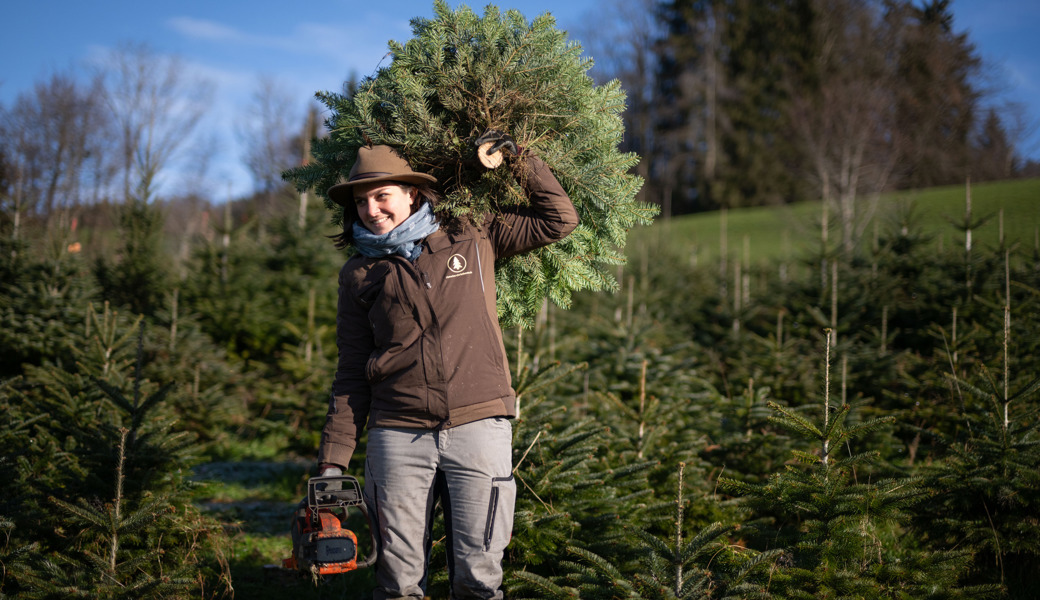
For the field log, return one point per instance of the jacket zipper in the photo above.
(424, 279)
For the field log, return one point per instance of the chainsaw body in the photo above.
(322, 545)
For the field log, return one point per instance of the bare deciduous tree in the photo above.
(843, 125)
(156, 108)
(53, 143)
(622, 36)
(312, 128)
(268, 131)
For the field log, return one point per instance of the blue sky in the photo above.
(308, 46)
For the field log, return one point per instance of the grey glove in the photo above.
(330, 471)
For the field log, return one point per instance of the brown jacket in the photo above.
(419, 344)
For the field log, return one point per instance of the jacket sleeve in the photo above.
(549, 217)
(351, 394)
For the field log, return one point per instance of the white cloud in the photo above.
(304, 38)
(206, 30)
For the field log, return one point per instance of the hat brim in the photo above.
(342, 194)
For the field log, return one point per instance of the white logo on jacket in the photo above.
(457, 265)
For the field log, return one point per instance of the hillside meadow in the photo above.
(786, 232)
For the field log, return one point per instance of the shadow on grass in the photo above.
(259, 582)
(245, 480)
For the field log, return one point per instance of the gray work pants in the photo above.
(469, 468)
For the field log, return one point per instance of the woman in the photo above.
(422, 365)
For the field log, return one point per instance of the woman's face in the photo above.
(382, 206)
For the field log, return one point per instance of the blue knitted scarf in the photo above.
(405, 239)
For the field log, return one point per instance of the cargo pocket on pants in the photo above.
(499, 526)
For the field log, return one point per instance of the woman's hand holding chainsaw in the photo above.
(327, 470)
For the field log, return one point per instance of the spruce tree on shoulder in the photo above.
(461, 75)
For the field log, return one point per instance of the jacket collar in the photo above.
(440, 240)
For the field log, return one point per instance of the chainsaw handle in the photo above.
(371, 558)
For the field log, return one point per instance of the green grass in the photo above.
(765, 234)
(243, 481)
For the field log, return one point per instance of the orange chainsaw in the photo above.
(322, 545)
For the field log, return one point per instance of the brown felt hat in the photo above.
(375, 164)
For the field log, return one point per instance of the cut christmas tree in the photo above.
(463, 74)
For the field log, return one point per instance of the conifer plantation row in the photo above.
(848, 424)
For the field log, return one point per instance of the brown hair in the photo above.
(350, 215)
